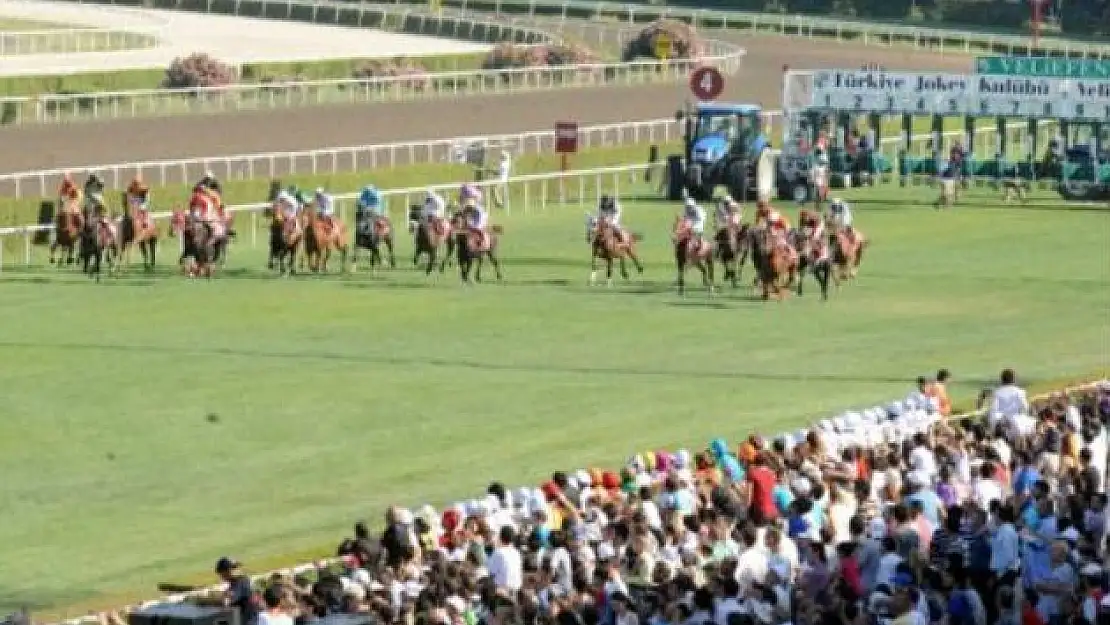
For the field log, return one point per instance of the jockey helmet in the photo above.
(208, 174)
(319, 191)
(836, 203)
(606, 202)
(67, 177)
(690, 203)
(429, 193)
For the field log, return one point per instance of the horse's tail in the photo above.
(637, 237)
(497, 229)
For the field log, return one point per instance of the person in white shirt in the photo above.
(504, 171)
(986, 489)
(1009, 400)
(275, 613)
(505, 564)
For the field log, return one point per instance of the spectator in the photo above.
(505, 564)
(239, 593)
(1009, 400)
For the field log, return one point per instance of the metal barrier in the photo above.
(64, 108)
(856, 31)
(73, 40)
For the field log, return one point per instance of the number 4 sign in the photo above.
(706, 83)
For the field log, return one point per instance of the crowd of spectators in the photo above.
(893, 514)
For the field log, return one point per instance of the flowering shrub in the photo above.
(685, 42)
(198, 70)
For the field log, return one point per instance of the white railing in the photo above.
(535, 191)
(330, 561)
(366, 158)
(73, 40)
(868, 33)
(363, 158)
(62, 108)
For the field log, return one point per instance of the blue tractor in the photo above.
(724, 145)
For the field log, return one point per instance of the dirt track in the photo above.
(45, 147)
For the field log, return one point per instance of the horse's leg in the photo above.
(481, 258)
(636, 261)
(821, 273)
(389, 248)
(496, 264)
(593, 269)
(680, 263)
(53, 246)
(343, 251)
(624, 268)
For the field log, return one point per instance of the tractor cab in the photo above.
(722, 145)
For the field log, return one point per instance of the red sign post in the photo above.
(707, 83)
(566, 141)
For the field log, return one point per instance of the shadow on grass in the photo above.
(460, 363)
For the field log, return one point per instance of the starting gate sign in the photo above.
(707, 83)
(566, 137)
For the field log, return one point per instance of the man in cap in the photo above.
(238, 594)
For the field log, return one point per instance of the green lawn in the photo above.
(337, 396)
(19, 212)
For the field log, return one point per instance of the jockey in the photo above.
(469, 195)
(728, 212)
(609, 212)
(694, 216)
(325, 205)
(840, 214)
(811, 221)
(94, 187)
(68, 191)
(369, 201)
(209, 182)
(434, 206)
(478, 221)
(199, 203)
(138, 193)
(287, 205)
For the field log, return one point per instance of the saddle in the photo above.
(439, 226)
(696, 247)
(289, 226)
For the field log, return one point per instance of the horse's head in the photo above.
(177, 222)
(592, 225)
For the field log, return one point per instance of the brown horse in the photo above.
(475, 246)
(430, 236)
(285, 237)
(607, 244)
(98, 244)
(691, 250)
(371, 232)
(138, 231)
(733, 243)
(320, 238)
(847, 253)
(198, 246)
(813, 257)
(67, 231)
(776, 263)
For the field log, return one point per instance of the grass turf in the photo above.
(16, 25)
(19, 212)
(337, 396)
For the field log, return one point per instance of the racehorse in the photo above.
(97, 245)
(198, 245)
(733, 243)
(775, 262)
(690, 250)
(321, 238)
(430, 236)
(847, 254)
(605, 245)
(471, 248)
(138, 230)
(370, 233)
(812, 257)
(285, 238)
(67, 231)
